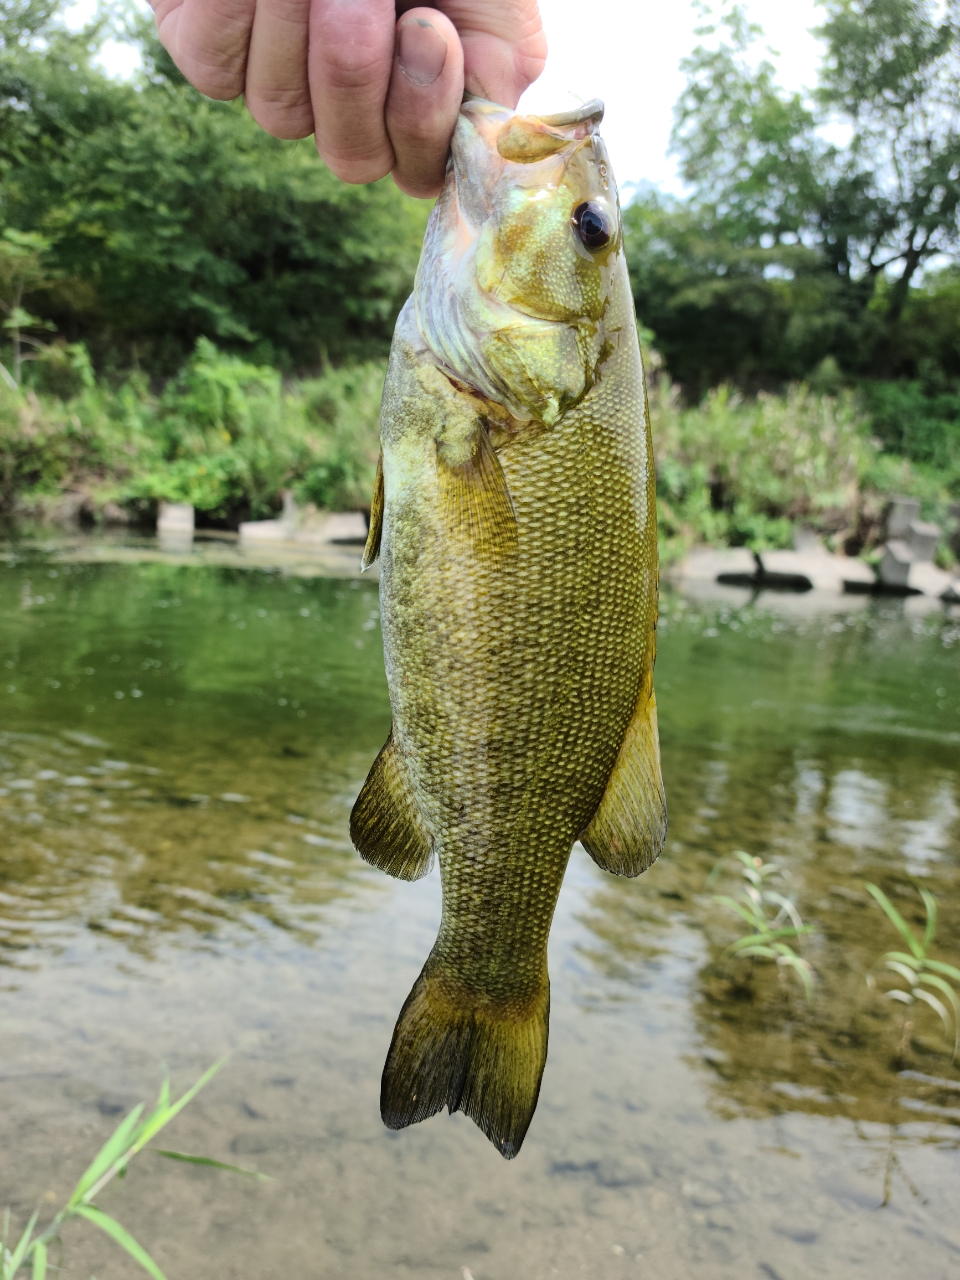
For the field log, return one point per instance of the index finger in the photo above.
(208, 40)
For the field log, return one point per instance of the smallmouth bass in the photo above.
(515, 523)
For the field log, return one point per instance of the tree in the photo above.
(170, 217)
(810, 249)
(22, 271)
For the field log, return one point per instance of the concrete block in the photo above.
(279, 530)
(894, 568)
(823, 572)
(707, 563)
(345, 526)
(901, 512)
(929, 579)
(900, 571)
(257, 531)
(922, 538)
(175, 517)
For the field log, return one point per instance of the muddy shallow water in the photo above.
(180, 746)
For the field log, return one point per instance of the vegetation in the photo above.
(196, 312)
(765, 912)
(224, 435)
(795, 249)
(918, 971)
(31, 1248)
(160, 216)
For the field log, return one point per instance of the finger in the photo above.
(423, 102)
(277, 92)
(208, 41)
(504, 46)
(350, 59)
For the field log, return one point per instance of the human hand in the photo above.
(379, 82)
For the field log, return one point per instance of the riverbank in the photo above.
(227, 437)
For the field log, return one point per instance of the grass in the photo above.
(30, 1250)
(915, 968)
(765, 912)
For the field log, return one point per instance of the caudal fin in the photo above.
(447, 1052)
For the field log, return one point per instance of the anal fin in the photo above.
(627, 832)
(386, 825)
(475, 501)
(375, 533)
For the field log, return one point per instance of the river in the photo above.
(180, 746)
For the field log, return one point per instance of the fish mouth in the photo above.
(590, 113)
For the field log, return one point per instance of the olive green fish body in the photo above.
(518, 601)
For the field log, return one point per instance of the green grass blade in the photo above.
(124, 1239)
(802, 969)
(715, 871)
(930, 902)
(160, 1117)
(766, 953)
(896, 919)
(902, 956)
(937, 1005)
(212, 1164)
(785, 931)
(753, 918)
(786, 905)
(163, 1097)
(20, 1252)
(39, 1261)
(939, 967)
(934, 981)
(909, 974)
(113, 1148)
(903, 996)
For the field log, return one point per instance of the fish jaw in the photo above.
(508, 299)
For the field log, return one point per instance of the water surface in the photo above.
(180, 746)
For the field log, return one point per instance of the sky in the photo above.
(630, 57)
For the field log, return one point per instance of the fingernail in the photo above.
(422, 51)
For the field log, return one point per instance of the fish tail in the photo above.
(469, 1055)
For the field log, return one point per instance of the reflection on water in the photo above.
(179, 750)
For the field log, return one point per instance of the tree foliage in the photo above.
(811, 217)
(170, 217)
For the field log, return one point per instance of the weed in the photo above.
(767, 932)
(917, 970)
(129, 1138)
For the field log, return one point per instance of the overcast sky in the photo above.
(627, 52)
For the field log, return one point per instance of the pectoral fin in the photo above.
(476, 502)
(386, 825)
(372, 550)
(627, 832)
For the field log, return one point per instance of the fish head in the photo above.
(521, 258)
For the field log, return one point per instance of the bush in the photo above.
(743, 471)
(921, 422)
(225, 435)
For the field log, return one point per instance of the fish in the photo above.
(514, 519)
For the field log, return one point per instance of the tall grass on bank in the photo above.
(227, 436)
(746, 472)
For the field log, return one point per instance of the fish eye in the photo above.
(592, 224)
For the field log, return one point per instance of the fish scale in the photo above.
(518, 601)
